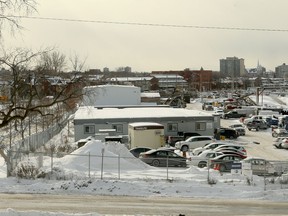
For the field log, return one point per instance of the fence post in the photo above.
(102, 163)
(89, 158)
(119, 167)
(167, 165)
(51, 161)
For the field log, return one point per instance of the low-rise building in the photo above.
(90, 119)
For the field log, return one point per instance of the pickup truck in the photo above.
(180, 137)
(233, 114)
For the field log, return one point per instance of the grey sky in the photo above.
(147, 48)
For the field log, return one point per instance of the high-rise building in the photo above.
(281, 71)
(232, 67)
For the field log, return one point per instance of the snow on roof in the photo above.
(110, 86)
(143, 124)
(150, 94)
(89, 112)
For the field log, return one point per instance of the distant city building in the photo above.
(128, 69)
(232, 67)
(106, 70)
(281, 71)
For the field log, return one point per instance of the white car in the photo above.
(194, 142)
(241, 149)
(208, 146)
(281, 143)
(260, 166)
(202, 159)
(219, 112)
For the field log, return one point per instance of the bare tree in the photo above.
(29, 87)
(77, 64)
(53, 62)
(12, 10)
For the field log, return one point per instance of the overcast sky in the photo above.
(148, 48)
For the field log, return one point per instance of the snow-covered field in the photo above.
(136, 178)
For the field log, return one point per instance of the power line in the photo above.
(151, 24)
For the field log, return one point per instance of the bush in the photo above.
(26, 170)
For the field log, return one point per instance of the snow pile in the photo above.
(95, 155)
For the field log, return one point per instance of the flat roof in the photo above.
(90, 112)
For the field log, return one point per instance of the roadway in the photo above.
(124, 205)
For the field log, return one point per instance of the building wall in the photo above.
(105, 95)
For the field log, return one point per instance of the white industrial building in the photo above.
(111, 95)
(89, 120)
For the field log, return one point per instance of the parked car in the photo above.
(228, 133)
(233, 114)
(224, 162)
(194, 142)
(181, 136)
(240, 130)
(257, 124)
(208, 146)
(232, 147)
(237, 125)
(160, 158)
(233, 152)
(260, 166)
(202, 159)
(281, 142)
(220, 112)
(137, 150)
(254, 117)
(272, 121)
(279, 132)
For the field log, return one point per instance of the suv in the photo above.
(229, 133)
(257, 124)
(194, 142)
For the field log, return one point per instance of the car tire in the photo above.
(274, 134)
(202, 164)
(222, 168)
(257, 128)
(183, 164)
(155, 163)
(184, 148)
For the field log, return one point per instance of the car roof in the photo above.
(229, 145)
(220, 156)
(142, 147)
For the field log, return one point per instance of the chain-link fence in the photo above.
(23, 147)
(104, 165)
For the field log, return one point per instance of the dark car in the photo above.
(272, 121)
(158, 157)
(228, 133)
(224, 163)
(257, 124)
(137, 150)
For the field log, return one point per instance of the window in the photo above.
(200, 126)
(118, 128)
(173, 127)
(89, 129)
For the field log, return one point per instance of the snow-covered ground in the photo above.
(136, 178)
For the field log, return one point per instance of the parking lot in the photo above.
(264, 150)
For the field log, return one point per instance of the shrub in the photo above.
(26, 170)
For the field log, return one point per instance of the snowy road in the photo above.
(123, 205)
